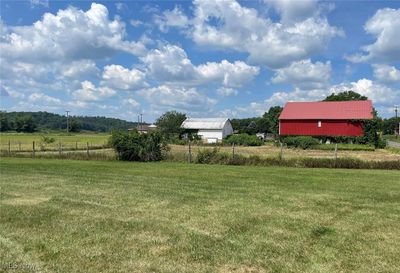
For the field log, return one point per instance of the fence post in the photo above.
(87, 148)
(190, 152)
(59, 149)
(233, 150)
(335, 151)
(9, 147)
(33, 149)
(281, 152)
(76, 145)
(19, 145)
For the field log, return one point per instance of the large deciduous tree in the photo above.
(170, 123)
(345, 96)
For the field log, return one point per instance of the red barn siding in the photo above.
(328, 128)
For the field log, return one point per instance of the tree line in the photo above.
(29, 122)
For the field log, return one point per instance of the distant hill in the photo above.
(49, 121)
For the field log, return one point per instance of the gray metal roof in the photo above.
(204, 123)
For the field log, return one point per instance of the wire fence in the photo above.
(37, 148)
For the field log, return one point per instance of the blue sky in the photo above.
(204, 58)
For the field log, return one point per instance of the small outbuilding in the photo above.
(211, 130)
(325, 118)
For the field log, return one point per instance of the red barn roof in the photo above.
(343, 110)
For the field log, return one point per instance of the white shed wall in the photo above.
(211, 134)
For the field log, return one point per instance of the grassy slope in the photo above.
(82, 216)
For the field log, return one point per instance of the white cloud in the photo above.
(378, 93)
(384, 25)
(44, 3)
(119, 77)
(170, 64)
(181, 98)
(43, 99)
(71, 34)
(135, 23)
(79, 69)
(226, 92)
(386, 73)
(268, 43)
(304, 74)
(292, 11)
(172, 18)
(131, 102)
(89, 92)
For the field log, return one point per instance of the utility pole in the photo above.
(67, 121)
(141, 121)
(395, 110)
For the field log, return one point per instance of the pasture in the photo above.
(95, 216)
(23, 141)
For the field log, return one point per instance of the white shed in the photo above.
(211, 130)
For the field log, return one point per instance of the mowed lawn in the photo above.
(86, 216)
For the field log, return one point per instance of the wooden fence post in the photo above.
(59, 149)
(233, 150)
(281, 152)
(87, 148)
(33, 149)
(190, 152)
(336, 151)
(19, 145)
(9, 147)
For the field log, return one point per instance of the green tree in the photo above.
(170, 123)
(4, 124)
(389, 126)
(345, 96)
(272, 116)
(24, 123)
(74, 126)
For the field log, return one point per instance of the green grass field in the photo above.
(86, 216)
(24, 140)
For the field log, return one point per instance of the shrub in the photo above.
(48, 140)
(244, 140)
(206, 156)
(132, 146)
(303, 142)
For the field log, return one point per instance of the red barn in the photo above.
(325, 118)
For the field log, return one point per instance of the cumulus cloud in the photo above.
(181, 98)
(384, 26)
(226, 92)
(294, 11)
(377, 92)
(71, 34)
(386, 73)
(172, 18)
(227, 24)
(304, 74)
(43, 98)
(132, 103)
(119, 77)
(171, 64)
(89, 92)
(79, 69)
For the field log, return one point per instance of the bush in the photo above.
(132, 146)
(207, 156)
(244, 140)
(303, 142)
(212, 156)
